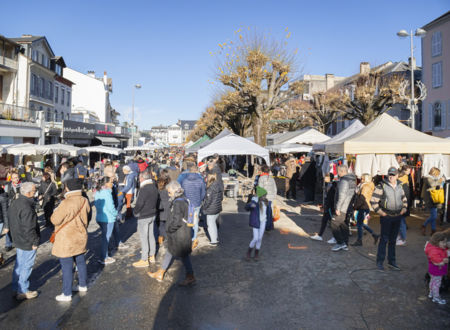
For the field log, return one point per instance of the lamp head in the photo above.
(420, 33)
(138, 86)
(403, 33)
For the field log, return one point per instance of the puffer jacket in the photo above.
(430, 182)
(23, 223)
(268, 183)
(213, 199)
(164, 205)
(344, 193)
(388, 199)
(179, 239)
(194, 188)
(147, 200)
(72, 213)
(436, 256)
(254, 218)
(3, 208)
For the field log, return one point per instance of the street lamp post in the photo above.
(137, 86)
(412, 102)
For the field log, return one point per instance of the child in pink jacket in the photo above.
(437, 254)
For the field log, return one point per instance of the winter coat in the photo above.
(134, 166)
(80, 171)
(268, 183)
(366, 190)
(194, 188)
(329, 200)
(407, 189)
(68, 175)
(179, 239)
(436, 255)
(4, 209)
(218, 172)
(104, 204)
(213, 200)
(142, 165)
(308, 175)
(12, 191)
(430, 182)
(48, 190)
(23, 223)
(291, 167)
(130, 183)
(254, 219)
(388, 199)
(344, 192)
(164, 205)
(72, 213)
(147, 200)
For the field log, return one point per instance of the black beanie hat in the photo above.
(74, 184)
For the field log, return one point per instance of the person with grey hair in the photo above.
(25, 234)
(145, 211)
(178, 235)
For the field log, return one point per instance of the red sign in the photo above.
(105, 132)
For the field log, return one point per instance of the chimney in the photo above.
(26, 35)
(364, 68)
(329, 80)
(105, 78)
(91, 74)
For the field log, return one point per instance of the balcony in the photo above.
(14, 112)
(8, 63)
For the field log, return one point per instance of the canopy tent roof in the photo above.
(304, 136)
(108, 140)
(34, 149)
(145, 147)
(352, 129)
(286, 148)
(196, 145)
(386, 135)
(232, 144)
(207, 142)
(105, 150)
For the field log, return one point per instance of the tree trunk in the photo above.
(259, 127)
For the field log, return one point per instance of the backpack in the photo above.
(191, 212)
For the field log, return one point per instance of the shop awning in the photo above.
(108, 141)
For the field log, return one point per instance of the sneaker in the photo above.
(63, 297)
(358, 242)
(393, 266)
(430, 295)
(214, 243)
(400, 242)
(141, 263)
(339, 247)
(108, 261)
(316, 237)
(151, 259)
(332, 240)
(380, 266)
(27, 295)
(8, 248)
(77, 288)
(439, 300)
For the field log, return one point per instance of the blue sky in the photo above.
(165, 45)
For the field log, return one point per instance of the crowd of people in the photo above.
(173, 194)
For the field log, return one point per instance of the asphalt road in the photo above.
(297, 284)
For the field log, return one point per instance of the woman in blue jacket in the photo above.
(106, 216)
(260, 213)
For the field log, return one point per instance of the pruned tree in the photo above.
(232, 109)
(291, 117)
(209, 123)
(259, 69)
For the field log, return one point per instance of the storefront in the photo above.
(110, 136)
(77, 133)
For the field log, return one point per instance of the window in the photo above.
(62, 95)
(56, 116)
(437, 115)
(43, 59)
(67, 116)
(49, 115)
(35, 55)
(436, 74)
(436, 44)
(68, 98)
(62, 116)
(58, 69)
(41, 87)
(33, 84)
(48, 90)
(56, 94)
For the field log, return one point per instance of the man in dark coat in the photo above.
(308, 179)
(25, 235)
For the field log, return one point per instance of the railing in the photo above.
(14, 112)
(8, 62)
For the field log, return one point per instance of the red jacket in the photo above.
(142, 165)
(435, 254)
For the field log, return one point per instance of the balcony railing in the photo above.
(14, 112)
(8, 62)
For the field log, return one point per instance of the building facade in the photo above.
(436, 75)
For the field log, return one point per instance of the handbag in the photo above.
(53, 236)
(437, 196)
(276, 213)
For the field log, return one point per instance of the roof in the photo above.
(306, 135)
(352, 129)
(2, 37)
(386, 135)
(28, 39)
(190, 123)
(440, 19)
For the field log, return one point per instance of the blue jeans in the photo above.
(116, 234)
(360, 216)
(432, 219)
(186, 260)
(120, 200)
(389, 231)
(402, 231)
(8, 242)
(196, 219)
(67, 272)
(22, 270)
(107, 229)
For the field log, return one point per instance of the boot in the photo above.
(2, 261)
(358, 242)
(376, 237)
(189, 280)
(249, 254)
(158, 275)
(432, 232)
(129, 213)
(256, 258)
(194, 244)
(423, 230)
(160, 240)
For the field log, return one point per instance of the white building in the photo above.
(91, 94)
(174, 134)
(160, 133)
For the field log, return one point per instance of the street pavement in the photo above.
(297, 284)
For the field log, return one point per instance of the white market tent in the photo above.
(303, 136)
(105, 150)
(232, 144)
(146, 147)
(205, 143)
(287, 148)
(356, 126)
(34, 149)
(386, 135)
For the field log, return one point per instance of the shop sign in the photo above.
(78, 130)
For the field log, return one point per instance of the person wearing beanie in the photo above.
(70, 219)
(260, 213)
